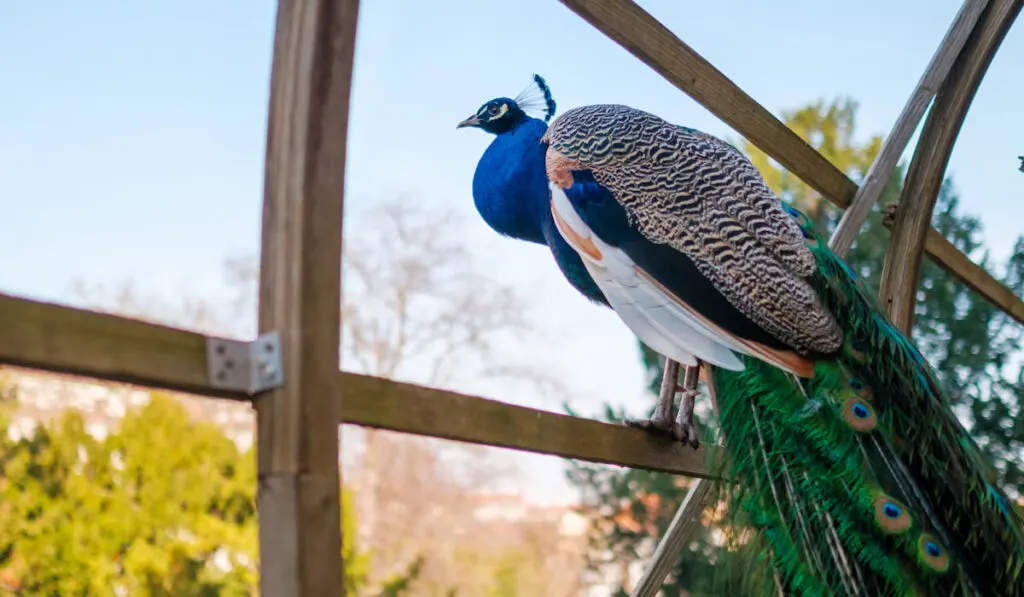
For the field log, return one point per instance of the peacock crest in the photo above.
(536, 98)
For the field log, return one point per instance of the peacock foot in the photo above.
(664, 421)
(684, 420)
(660, 426)
(681, 429)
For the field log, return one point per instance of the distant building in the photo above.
(44, 396)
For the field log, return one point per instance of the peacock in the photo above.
(843, 447)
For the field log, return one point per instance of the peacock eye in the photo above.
(493, 110)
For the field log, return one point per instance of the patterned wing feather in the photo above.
(702, 197)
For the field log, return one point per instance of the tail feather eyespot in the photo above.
(932, 554)
(892, 517)
(859, 415)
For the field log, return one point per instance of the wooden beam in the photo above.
(677, 536)
(655, 45)
(902, 269)
(108, 347)
(888, 157)
(62, 339)
(300, 281)
(971, 274)
(384, 404)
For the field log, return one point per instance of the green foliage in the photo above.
(830, 129)
(507, 580)
(968, 341)
(164, 506)
(812, 427)
(398, 584)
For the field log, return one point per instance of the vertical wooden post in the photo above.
(300, 294)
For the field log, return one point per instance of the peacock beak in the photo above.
(473, 120)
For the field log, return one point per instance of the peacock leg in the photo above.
(684, 421)
(663, 419)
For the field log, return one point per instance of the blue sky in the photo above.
(132, 134)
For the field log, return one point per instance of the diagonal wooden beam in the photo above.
(902, 269)
(676, 538)
(654, 44)
(973, 275)
(888, 157)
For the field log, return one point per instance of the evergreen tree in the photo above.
(163, 506)
(969, 341)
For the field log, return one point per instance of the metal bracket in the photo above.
(245, 366)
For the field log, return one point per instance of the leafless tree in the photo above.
(417, 307)
(413, 296)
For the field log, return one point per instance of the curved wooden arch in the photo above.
(902, 269)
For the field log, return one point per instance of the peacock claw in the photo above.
(681, 429)
(660, 426)
(664, 422)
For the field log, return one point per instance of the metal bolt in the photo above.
(267, 370)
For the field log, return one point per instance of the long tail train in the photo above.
(861, 479)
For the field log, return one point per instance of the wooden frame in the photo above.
(299, 485)
(928, 166)
(650, 41)
(102, 346)
(300, 283)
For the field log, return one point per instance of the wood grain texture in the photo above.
(62, 339)
(300, 278)
(973, 275)
(888, 157)
(82, 342)
(902, 268)
(385, 404)
(677, 536)
(642, 35)
(646, 38)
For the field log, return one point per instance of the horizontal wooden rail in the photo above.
(62, 339)
(971, 274)
(385, 404)
(654, 44)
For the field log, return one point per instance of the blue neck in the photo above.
(510, 191)
(510, 187)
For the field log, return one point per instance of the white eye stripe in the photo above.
(488, 111)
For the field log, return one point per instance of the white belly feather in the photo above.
(670, 328)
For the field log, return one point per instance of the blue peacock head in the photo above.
(501, 115)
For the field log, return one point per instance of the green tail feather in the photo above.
(861, 479)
